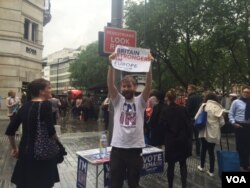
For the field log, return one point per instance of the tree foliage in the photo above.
(205, 42)
(89, 69)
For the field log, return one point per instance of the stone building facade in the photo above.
(57, 69)
(21, 44)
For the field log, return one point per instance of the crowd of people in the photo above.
(170, 122)
(84, 108)
(150, 118)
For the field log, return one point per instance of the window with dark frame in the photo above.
(26, 29)
(33, 32)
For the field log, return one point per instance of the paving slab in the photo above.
(78, 140)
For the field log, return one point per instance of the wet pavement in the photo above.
(79, 135)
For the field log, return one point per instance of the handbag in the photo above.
(45, 147)
(61, 154)
(201, 120)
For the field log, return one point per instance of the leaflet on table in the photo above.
(91, 151)
(96, 158)
(87, 152)
(150, 149)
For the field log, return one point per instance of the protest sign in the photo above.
(152, 163)
(132, 59)
(82, 169)
(97, 158)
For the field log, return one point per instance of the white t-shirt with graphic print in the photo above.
(128, 122)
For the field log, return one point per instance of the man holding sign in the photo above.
(128, 140)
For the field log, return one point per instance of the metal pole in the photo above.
(117, 13)
(96, 176)
(57, 76)
(57, 70)
(145, 23)
(116, 21)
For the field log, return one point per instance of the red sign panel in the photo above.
(115, 36)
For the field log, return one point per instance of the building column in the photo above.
(30, 31)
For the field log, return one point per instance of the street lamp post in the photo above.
(58, 62)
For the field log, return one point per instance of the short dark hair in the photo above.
(158, 94)
(171, 95)
(211, 96)
(36, 86)
(10, 93)
(192, 86)
(245, 87)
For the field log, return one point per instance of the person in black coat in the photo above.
(193, 104)
(30, 172)
(156, 134)
(177, 129)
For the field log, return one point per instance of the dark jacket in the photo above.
(193, 104)
(29, 172)
(154, 125)
(177, 130)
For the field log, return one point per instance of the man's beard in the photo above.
(128, 94)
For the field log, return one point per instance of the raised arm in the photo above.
(147, 88)
(112, 90)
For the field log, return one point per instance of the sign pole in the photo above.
(117, 13)
(116, 21)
